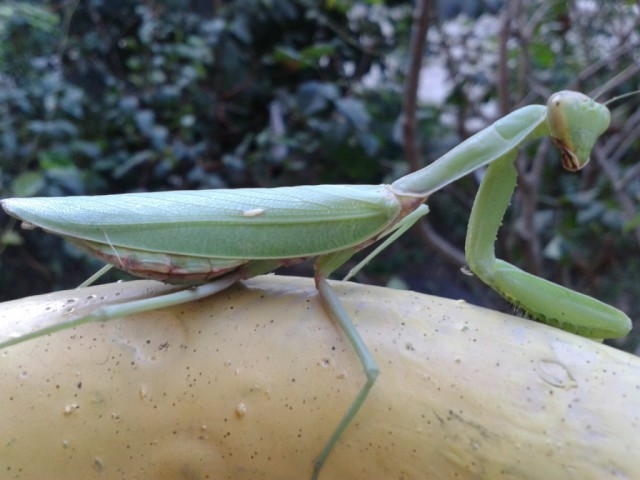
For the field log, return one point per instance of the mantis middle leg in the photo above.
(325, 265)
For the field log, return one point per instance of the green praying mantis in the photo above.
(208, 240)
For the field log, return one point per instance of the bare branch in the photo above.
(422, 15)
(419, 29)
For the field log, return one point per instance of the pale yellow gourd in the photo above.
(249, 384)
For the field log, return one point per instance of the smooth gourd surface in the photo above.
(250, 383)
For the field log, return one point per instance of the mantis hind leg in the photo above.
(95, 276)
(109, 312)
(341, 317)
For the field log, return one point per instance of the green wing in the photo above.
(286, 222)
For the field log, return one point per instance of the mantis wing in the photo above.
(249, 224)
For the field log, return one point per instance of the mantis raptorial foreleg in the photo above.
(555, 304)
(217, 237)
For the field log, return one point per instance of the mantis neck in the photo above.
(486, 146)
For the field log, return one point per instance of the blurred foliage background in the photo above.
(115, 96)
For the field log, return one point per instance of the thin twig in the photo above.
(410, 100)
(421, 20)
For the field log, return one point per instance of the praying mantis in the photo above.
(211, 239)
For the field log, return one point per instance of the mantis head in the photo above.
(575, 123)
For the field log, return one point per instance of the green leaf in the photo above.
(355, 112)
(27, 184)
(11, 238)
